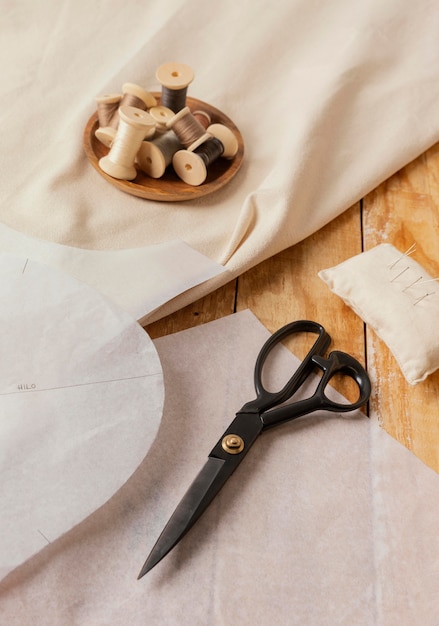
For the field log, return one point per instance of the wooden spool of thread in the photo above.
(133, 96)
(154, 156)
(203, 118)
(174, 79)
(134, 125)
(186, 127)
(192, 165)
(162, 115)
(227, 138)
(107, 105)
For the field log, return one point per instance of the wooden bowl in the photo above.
(169, 187)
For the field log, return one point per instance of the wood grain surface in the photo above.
(402, 211)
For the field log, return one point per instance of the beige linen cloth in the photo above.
(331, 98)
(327, 522)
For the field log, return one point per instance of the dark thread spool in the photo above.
(174, 79)
(210, 150)
(227, 138)
(186, 127)
(154, 156)
(192, 165)
(174, 99)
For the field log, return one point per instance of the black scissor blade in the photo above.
(197, 498)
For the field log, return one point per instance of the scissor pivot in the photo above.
(233, 444)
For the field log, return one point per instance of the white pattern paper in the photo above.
(81, 397)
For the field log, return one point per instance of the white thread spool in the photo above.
(134, 125)
(227, 138)
(154, 156)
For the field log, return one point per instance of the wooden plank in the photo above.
(403, 211)
(286, 287)
(213, 306)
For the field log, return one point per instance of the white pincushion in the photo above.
(389, 291)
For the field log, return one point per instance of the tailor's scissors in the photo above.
(254, 418)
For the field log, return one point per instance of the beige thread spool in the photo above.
(135, 96)
(162, 115)
(106, 107)
(174, 79)
(186, 127)
(154, 156)
(134, 125)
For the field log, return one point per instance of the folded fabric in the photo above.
(392, 293)
(330, 99)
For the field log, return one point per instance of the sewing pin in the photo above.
(406, 253)
(400, 274)
(411, 284)
(422, 297)
(430, 280)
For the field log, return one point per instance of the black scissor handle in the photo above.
(346, 364)
(267, 399)
(336, 362)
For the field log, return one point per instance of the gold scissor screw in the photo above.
(233, 444)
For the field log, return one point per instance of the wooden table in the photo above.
(402, 210)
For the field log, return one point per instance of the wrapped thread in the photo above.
(174, 79)
(186, 127)
(154, 156)
(134, 124)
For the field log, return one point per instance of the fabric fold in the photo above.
(330, 99)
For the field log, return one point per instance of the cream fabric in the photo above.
(331, 98)
(392, 293)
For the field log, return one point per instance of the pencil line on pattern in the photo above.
(96, 382)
